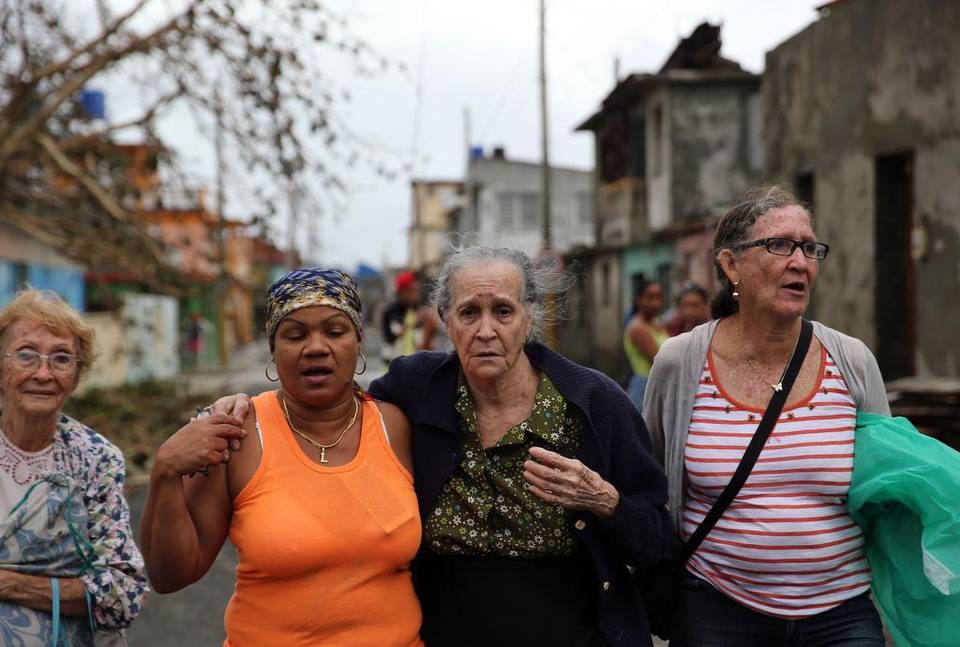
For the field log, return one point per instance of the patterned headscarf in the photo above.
(312, 286)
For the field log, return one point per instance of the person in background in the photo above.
(642, 337)
(65, 526)
(402, 322)
(693, 309)
(317, 496)
(785, 563)
(197, 332)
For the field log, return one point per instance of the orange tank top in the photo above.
(324, 551)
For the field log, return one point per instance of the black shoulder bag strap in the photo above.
(752, 453)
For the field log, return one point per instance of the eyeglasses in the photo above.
(786, 247)
(29, 360)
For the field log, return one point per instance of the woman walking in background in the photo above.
(693, 309)
(642, 337)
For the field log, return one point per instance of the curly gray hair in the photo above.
(536, 281)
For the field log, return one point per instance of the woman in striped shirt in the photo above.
(785, 563)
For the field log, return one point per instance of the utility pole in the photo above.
(550, 332)
(468, 219)
(223, 278)
(544, 130)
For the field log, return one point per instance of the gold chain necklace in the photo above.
(756, 369)
(323, 448)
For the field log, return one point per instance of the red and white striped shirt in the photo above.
(786, 546)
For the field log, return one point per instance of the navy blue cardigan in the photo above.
(614, 443)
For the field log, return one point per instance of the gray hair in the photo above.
(734, 228)
(537, 281)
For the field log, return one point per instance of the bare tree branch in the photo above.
(90, 47)
(105, 200)
(270, 58)
(137, 122)
(70, 87)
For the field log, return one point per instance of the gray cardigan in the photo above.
(671, 390)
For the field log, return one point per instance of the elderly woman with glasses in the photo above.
(785, 564)
(69, 569)
(533, 474)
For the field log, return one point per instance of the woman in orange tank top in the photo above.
(314, 489)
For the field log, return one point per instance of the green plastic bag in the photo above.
(905, 495)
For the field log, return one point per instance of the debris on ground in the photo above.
(931, 404)
(137, 418)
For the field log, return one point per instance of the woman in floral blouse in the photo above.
(69, 568)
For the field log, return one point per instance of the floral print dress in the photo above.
(114, 579)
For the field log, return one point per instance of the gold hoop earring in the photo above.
(266, 371)
(736, 294)
(364, 369)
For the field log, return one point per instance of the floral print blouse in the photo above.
(485, 507)
(117, 582)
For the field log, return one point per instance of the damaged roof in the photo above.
(696, 59)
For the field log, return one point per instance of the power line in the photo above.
(580, 66)
(418, 93)
(506, 92)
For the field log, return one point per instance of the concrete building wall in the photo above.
(871, 78)
(607, 313)
(431, 205)
(694, 260)
(571, 193)
(659, 159)
(590, 328)
(621, 211)
(137, 343)
(19, 247)
(937, 244)
(714, 139)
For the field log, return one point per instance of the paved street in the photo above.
(191, 618)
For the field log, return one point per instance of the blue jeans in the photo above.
(636, 388)
(708, 618)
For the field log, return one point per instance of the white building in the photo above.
(504, 204)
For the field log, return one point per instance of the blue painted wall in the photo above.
(7, 287)
(65, 281)
(654, 261)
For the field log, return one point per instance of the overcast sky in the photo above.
(482, 56)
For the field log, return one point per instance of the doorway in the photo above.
(894, 296)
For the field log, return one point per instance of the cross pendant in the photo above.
(777, 387)
(323, 455)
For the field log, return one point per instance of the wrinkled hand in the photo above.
(569, 483)
(198, 445)
(236, 405)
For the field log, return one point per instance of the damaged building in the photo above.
(861, 116)
(672, 148)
